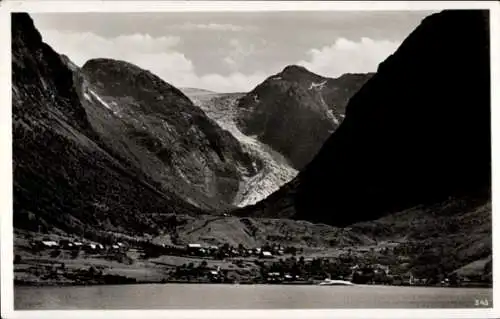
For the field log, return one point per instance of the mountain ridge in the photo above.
(164, 134)
(369, 170)
(63, 178)
(296, 110)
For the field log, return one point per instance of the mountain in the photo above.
(156, 129)
(64, 179)
(295, 111)
(417, 132)
(110, 147)
(314, 101)
(275, 169)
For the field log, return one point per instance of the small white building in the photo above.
(49, 243)
(267, 254)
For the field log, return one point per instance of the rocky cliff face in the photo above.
(64, 179)
(416, 132)
(155, 128)
(295, 111)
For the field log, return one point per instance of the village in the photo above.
(83, 262)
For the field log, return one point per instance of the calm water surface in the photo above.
(192, 296)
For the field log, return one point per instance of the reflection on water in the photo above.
(192, 296)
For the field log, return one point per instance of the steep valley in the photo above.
(276, 170)
(392, 167)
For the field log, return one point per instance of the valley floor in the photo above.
(59, 267)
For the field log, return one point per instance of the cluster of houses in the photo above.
(68, 244)
(277, 277)
(359, 273)
(380, 274)
(227, 251)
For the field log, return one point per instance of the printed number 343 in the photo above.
(481, 302)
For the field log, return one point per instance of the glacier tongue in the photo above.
(275, 172)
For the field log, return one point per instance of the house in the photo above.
(404, 279)
(355, 267)
(78, 244)
(266, 254)
(66, 244)
(289, 277)
(274, 277)
(93, 247)
(194, 249)
(381, 268)
(419, 281)
(48, 244)
(123, 246)
(90, 247)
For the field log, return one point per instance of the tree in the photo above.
(488, 267)
(55, 253)
(75, 253)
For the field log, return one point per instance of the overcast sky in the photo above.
(234, 51)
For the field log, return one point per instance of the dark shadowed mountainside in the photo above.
(295, 111)
(63, 177)
(156, 129)
(417, 132)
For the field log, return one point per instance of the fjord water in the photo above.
(214, 296)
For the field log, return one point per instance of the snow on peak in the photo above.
(318, 86)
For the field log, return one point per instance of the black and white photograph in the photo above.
(301, 157)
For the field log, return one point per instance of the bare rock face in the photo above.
(417, 132)
(295, 111)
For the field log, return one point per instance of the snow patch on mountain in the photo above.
(318, 86)
(98, 98)
(332, 116)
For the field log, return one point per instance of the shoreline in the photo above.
(20, 283)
